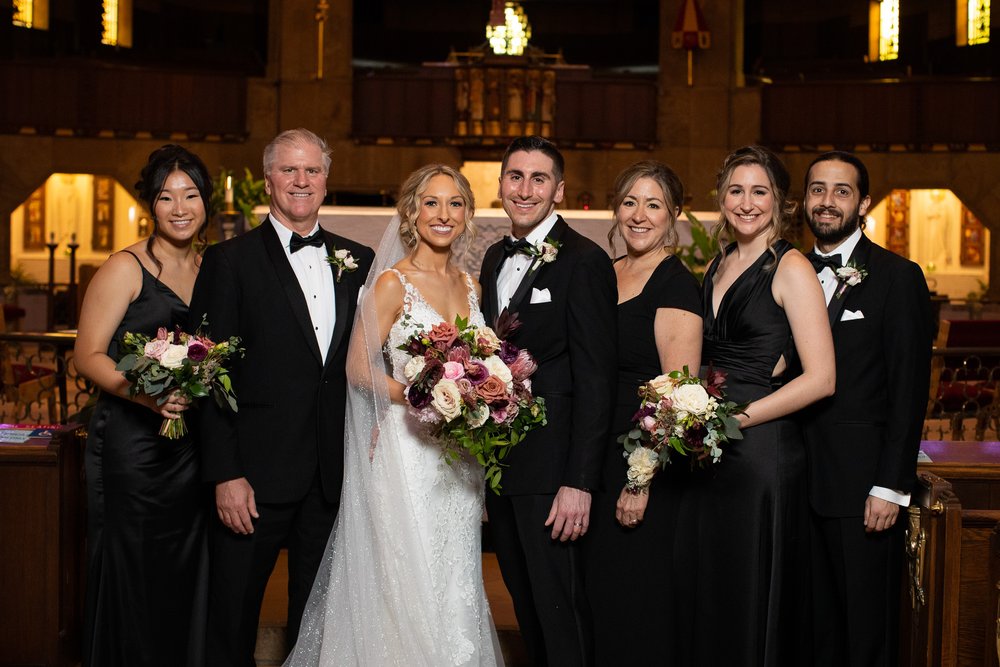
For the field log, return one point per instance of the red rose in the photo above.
(443, 333)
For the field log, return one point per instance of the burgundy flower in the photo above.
(418, 396)
(476, 372)
(197, 351)
(644, 411)
(508, 352)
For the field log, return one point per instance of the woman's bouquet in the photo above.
(189, 364)
(473, 390)
(681, 414)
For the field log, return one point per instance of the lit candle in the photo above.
(229, 192)
(131, 214)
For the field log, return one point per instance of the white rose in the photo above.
(691, 398)
(174, 356)
(498, 368)
(447, 399)
(350, 263)
(663, 385)
(340, 254)
(413, 368)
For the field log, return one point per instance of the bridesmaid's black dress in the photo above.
(147, 561)
(745, 585)
(627, 575)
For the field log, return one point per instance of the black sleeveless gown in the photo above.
(147, 561)
(626, 603)
(744, 521)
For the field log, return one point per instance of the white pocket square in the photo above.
(540, 295)
(849, 315)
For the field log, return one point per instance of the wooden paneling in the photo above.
(913, 113)
(87, 100)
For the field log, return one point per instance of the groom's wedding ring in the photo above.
(578, 525)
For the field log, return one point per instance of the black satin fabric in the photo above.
(625, 609)
(147, 560)
(742, 524)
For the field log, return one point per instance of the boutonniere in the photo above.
(343, 260)
(849, 276)
(546, 251)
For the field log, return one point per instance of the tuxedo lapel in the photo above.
(536, 268)
(488, 280)
(341, 289)
(290, 284)
(860, 258)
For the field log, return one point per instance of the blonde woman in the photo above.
(402, 580)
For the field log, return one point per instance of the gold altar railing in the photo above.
(964, 401)
(40, 382)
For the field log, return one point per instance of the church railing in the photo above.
(40, 382)
(964, 403)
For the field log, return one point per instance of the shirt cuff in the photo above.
(901, 499)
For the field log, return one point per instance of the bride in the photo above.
(401, 581)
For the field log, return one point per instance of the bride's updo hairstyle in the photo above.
(673, 196)
(414, 186)
(779, 180)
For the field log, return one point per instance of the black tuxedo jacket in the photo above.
(291, 404)
(573, 339)
(868, 433)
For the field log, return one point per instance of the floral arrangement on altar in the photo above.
(473, 391)
(679, 414)
(190, 364)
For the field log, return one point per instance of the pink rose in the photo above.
(453, 370)
(161, 333)
(155, 348)
(648, 423)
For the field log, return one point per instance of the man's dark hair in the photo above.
(540, 144)
(849, 158)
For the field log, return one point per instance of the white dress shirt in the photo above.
(515, 268)
(828, 279)
(316, 282)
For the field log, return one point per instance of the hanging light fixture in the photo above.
(508, 31)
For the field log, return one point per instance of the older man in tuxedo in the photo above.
(861, 443)
(562, 287)
(277, 464)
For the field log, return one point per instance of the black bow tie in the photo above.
(299, 242)
(819, 261)
(511, 246)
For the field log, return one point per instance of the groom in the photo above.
(861, 443)
(568, 322)
(277, 464)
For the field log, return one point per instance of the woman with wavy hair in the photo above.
(744, 521)
(401, 582)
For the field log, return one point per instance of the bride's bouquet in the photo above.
(189, 364)
(473, 391)
(679, 414)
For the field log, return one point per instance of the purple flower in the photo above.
(197, 350)
(508, 352)
(476, 372)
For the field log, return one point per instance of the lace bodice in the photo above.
(418, 315)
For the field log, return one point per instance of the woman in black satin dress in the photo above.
(146, 565)
(659, 330)
(746, 585)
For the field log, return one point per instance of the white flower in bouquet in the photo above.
(413, 368)
(691, 398)
(174, 356)
(642, 464)
(487, 338)
(478, 415)
(155, 348)
(498, 368)
(447, 399)
(663, 385)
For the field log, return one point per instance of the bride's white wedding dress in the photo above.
(401, 582)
